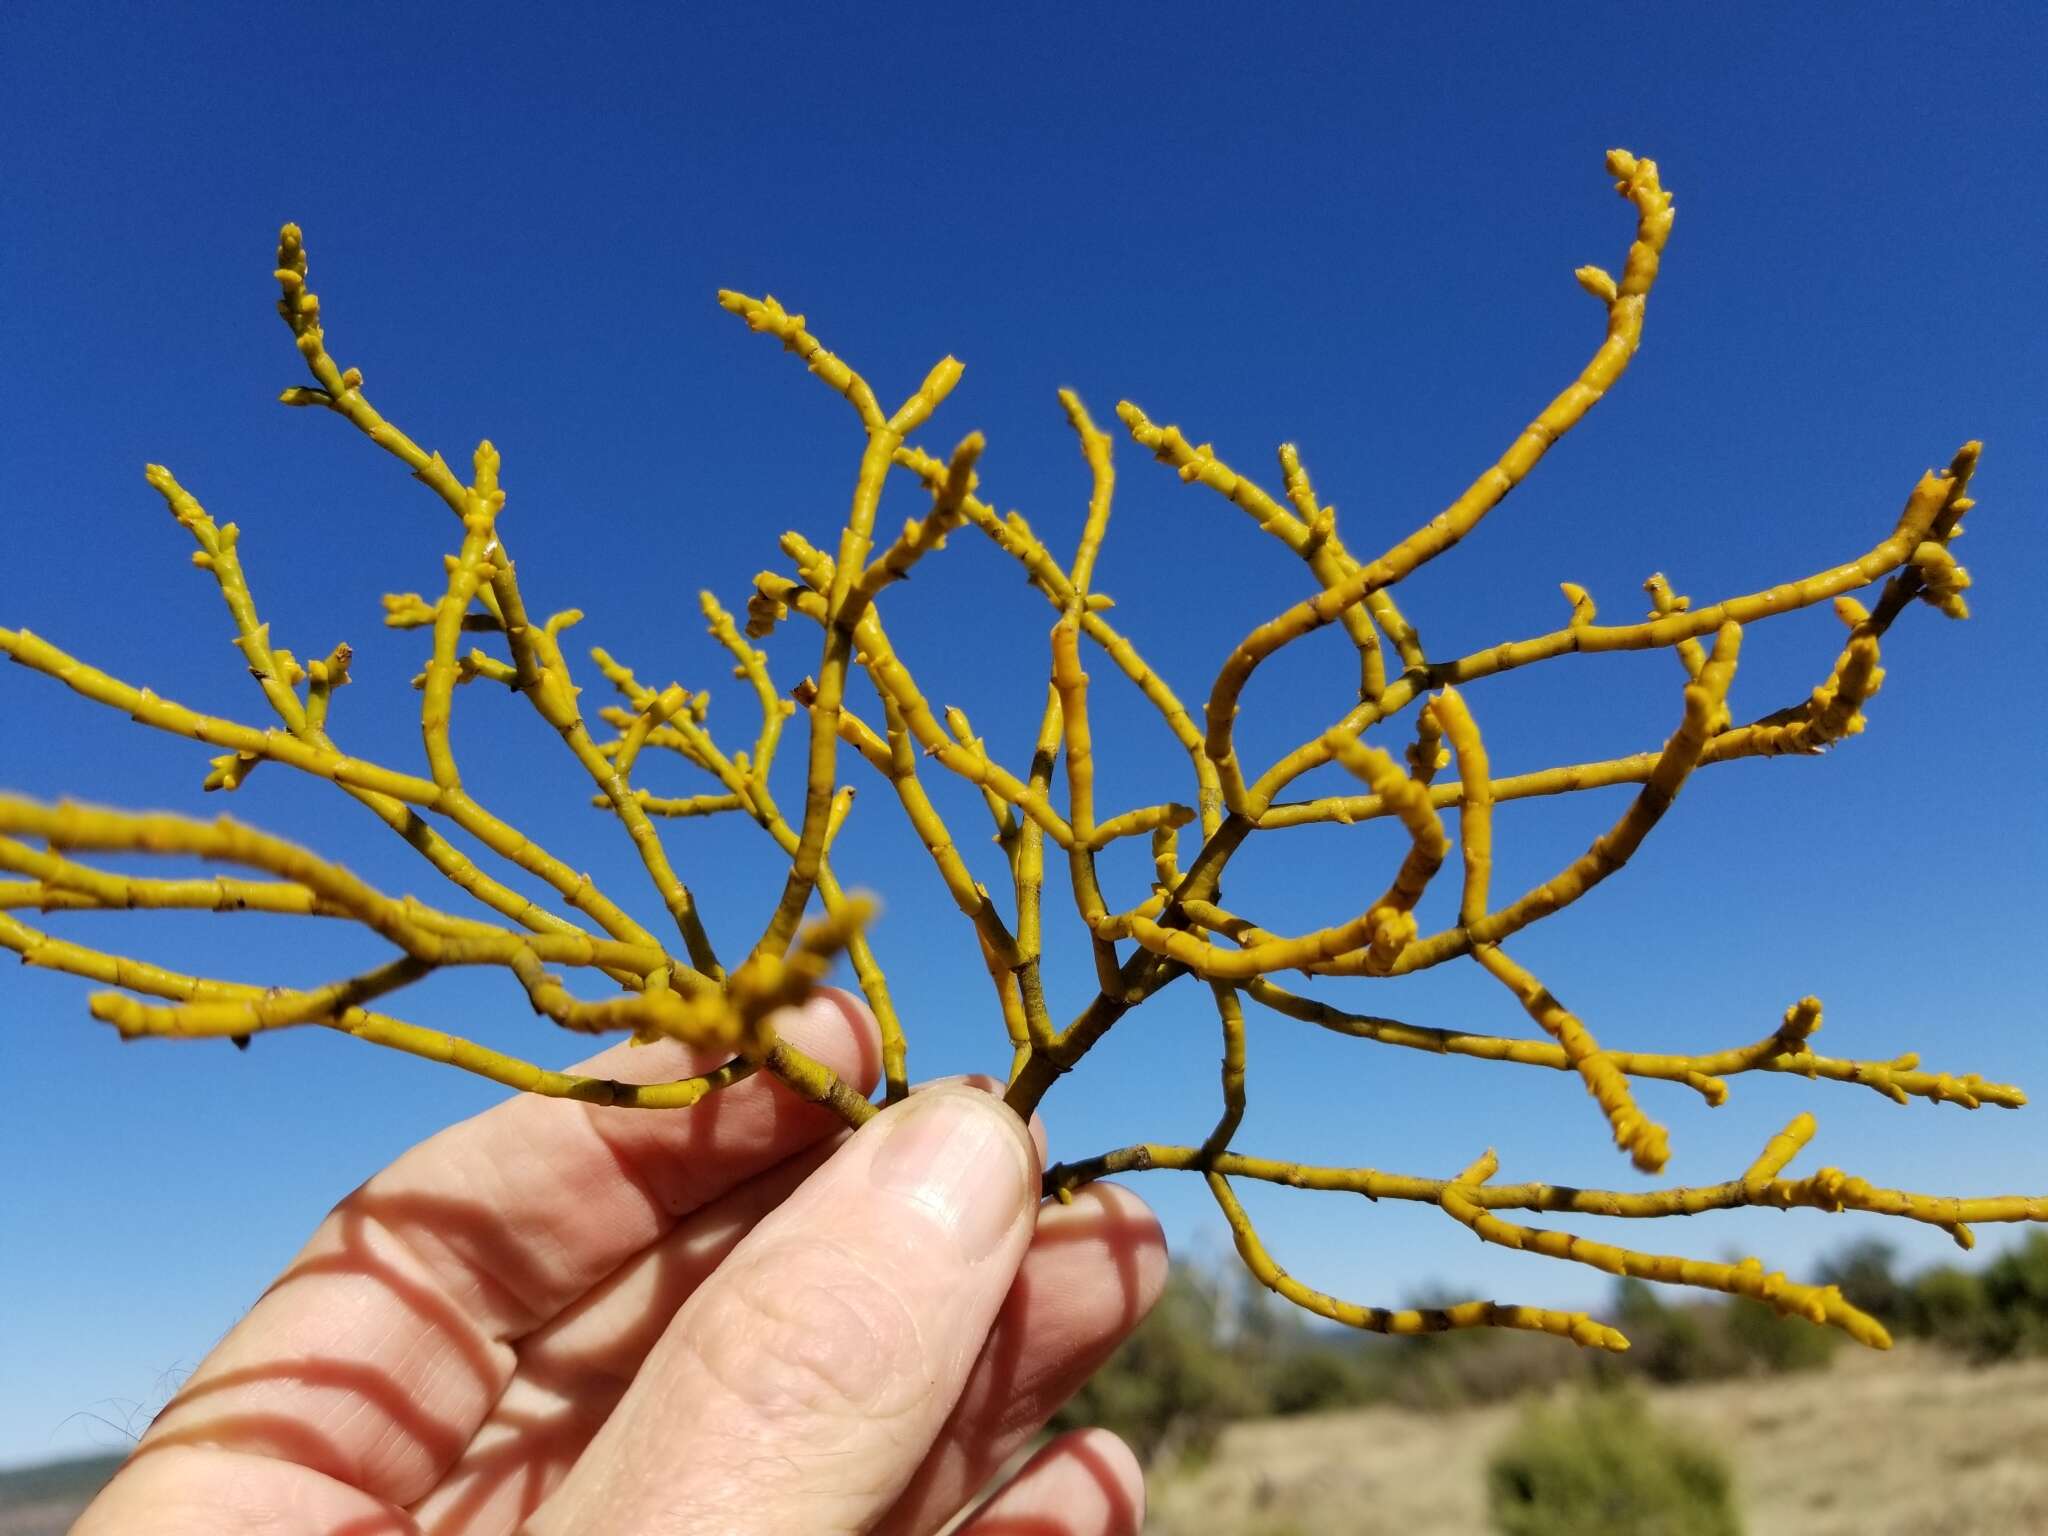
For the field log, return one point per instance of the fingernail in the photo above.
(951, 1154)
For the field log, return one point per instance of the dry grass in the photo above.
(1907, 1444)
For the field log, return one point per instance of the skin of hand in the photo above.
(561, 1318)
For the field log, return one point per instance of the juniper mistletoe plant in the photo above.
(667, 980)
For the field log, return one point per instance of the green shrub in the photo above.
(1599, 1463)
(1997, 1313)
(1770, 1341)
(1671, 1344)
(1867, 1274)
(2016, 1291)
(1951, 1307)
(1176, 1381)
(1458, 1370)
(1317, 1377)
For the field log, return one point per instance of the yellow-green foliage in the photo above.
(672, 983)
(1601, 1463)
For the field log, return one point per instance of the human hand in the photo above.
(740, 1319)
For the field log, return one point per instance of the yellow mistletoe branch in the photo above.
(862, 693)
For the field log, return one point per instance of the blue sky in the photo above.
(1349, 228)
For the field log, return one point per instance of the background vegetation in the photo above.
(1598, 1463)
(1218, 1348)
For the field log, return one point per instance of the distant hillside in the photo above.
(44, 1500)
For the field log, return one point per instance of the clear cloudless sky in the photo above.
(1349, 227)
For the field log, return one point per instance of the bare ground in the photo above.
(1906, 1444)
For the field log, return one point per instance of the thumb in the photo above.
(802, 1384)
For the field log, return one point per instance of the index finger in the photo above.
(378, 1352)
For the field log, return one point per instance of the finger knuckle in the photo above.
(814, 1335)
